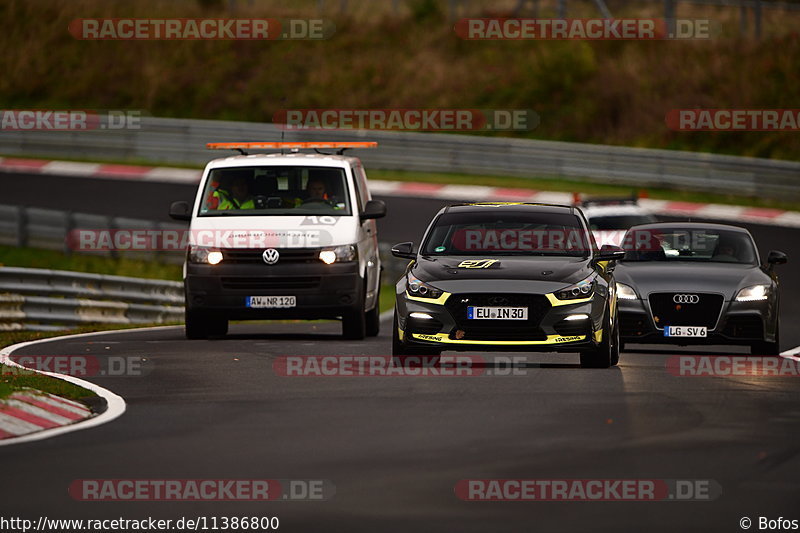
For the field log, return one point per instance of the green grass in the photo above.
(96, 264)
(13, 379)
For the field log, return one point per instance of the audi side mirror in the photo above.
(180, 211)
(404, 250)
(776, 257)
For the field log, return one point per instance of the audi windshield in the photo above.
(508, 233)
(276, 190)
(696, 245)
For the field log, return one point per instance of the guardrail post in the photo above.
(22, 226)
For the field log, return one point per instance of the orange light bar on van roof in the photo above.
(288, 145)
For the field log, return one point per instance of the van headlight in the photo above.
(203, 255)
(421, 289)
(753, 293)
(582, 289)
(339, 254)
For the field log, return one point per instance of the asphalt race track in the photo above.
(395, 447)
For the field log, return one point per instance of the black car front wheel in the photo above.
(768, 348)
(606, 354)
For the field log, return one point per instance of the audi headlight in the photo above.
(206, 256)
(582, 289)
(625, 292)
(753, 293)
(416, 287)
(338, 254)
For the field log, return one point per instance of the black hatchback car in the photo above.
(508, 277)
(696, 283)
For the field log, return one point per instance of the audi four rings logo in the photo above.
(270, 256)
(686, 299)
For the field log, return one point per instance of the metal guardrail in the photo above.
(40, 299)
(182, 141)
(48, 229)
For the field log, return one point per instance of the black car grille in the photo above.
(286, 255)
(511, 330)
(744, 327)
(633, 324)
(287, 283)
(668, 313)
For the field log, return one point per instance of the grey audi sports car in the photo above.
(695, 283)
(508, 277)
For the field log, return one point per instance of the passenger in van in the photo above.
(239, 196)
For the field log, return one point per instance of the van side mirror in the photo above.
(776, 257)
(373, 209)
(404, 250)
(180, 211)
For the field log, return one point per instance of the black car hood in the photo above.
(654, 276)
(544, 273)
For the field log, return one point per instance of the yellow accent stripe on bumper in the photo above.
(443, 338)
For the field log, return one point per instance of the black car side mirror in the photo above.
(373, 209)
(609, 252)
(404, 250)
(180, 211)
(776, 257)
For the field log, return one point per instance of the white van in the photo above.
(282, 236)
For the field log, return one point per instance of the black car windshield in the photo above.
(689, 244)
(276, 190)
(505, 232)
(619, 222)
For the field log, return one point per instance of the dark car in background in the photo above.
(696, 283)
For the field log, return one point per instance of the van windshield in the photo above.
(276, 190)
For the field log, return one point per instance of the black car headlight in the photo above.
(626, 292)
(420, 289)
(753, 293)
(203, 255)
(582, 289)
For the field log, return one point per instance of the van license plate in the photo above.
(271, 302)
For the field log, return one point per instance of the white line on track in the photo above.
(116, 405)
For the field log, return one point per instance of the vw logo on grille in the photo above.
(270, 256)
(686, 299)
(498, 300)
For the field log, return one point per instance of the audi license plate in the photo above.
(271, 302)
(685, 331)
(497, 313)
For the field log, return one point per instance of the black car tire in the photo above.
(354, 324)
(768, 348)
(201, 325)
(607, 352)
(373, 318)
